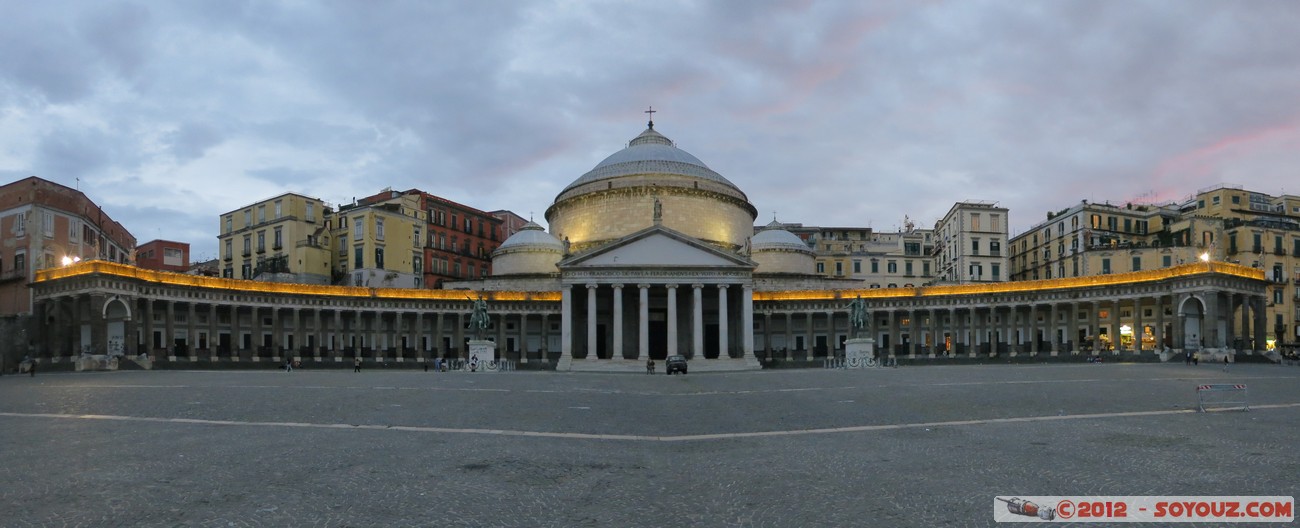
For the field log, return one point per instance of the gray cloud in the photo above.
(827, 113)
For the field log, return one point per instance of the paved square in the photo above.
(919, 446)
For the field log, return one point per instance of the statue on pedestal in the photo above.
(857, 314)
(478, 321)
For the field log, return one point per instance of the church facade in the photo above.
(649, 254)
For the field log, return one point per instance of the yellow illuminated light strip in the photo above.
(177, 279)
(197, 281)
(1019, 286)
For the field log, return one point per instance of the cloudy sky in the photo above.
(825, 113)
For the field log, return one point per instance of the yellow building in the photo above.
(1222, 223)
(282, 239)
(378, 242)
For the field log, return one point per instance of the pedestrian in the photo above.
(356, 364)
(1225, 362)
(1188, 358)
(426, 366)
(32, 369)
(650, 366)
(288, 365)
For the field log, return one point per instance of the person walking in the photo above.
(356, 364)
(650, 366)
(288, 365)
(1225, 362)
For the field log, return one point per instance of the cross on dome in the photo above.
(651, 111)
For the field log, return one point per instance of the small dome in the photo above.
(531, 236)
(774, 237)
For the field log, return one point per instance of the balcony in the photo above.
(261, 250)
(248, 253)
(13, 275)
(277, 247)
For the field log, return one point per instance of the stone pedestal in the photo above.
(483, 349)
(857, 350)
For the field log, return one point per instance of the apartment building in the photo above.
(880, 260)
(1222, 223)
(970, 245)
(163, 255)
(379, 241)
(460, 241)
(281, 239)
(43, 225)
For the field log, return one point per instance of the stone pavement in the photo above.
(894, 447)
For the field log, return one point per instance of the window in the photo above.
(359, 253)
(248, 245)
(1060, 229)
(311, 212)
(74, 226)
(925, 268)
(415, 238)
(1095, 221)
(173, 257)
(469, 228)
(975, 221)
(261, 213)
(379, 229)
(47, 224)
(20, 262)
(907, 268)
(857, 266)
(230, 221)
(875, 266)
(279, 208)
(261, 241)
(1128, 225)
(976, 271)
(1137, 263)
(279, 238)
(1166, 261)
(246, 271)
(358, 228)
(994, 221)
(891, 267)
(1105, 266)
(229, 251)
(975, 246)
(1236, 199)
(821, 267)
(997, 271)
(248, 217)
(1214, 200)
(379, 257)
(1277, 296)
(417, 264)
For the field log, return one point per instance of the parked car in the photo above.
(676, 364)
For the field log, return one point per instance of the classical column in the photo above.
(148, 327)
(458, 333)
(789, 335)
(975, 329)
(417, 335)
(914, 333)
(1159, 332)
(1115, 338)
(213, 339)
(320, 333)
(257, 331)
(616, 352)
(1031, 327)
(358, 334)
(191, 331)
(672, 319)
(277, 332)
(1013, 342)
(697, 321)
(236, 339)
(808, 334)
(1245, 318)
(439, 350)
(643, 321)
(1094, 325)
(723, 353)
(954, 330)
(1053, 341)
(523, 338)
(1138, 330)
(501, 336)
(169, 327)
(747, 321)
(591, 322)
(299, 334)
(767, 332)
(937, 329)
(545, 345)
(336, 344)
(1261, 325)
(894, 337)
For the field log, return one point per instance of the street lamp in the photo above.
(68, 261)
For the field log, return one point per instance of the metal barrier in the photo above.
(1222, 394)
(857, 363)
(496, 365)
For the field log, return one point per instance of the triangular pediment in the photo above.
(656, 247)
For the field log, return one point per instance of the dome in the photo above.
(774, 237)
(531, 236)
(530, 251)
(650, 153)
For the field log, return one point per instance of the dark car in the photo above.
(676, 364)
